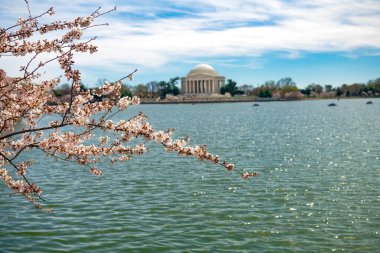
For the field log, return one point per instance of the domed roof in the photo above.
(203, 69)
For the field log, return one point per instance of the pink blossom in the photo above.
(96, 172)
(28, 99)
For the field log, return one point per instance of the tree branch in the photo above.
(127, 76)
(33, 130)
(23, 176)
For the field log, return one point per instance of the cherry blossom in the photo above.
(28, 99)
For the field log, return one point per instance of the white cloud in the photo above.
(152, 34)
(225, 28)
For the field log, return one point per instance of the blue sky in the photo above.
(250, 41)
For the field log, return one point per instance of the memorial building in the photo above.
(202, 80)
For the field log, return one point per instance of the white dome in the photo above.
(203, 69)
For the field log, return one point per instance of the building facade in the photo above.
(202, 80)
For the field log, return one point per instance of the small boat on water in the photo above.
(369, 103)
(255, 105)
(331, 104)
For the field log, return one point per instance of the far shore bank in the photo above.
(237, 100)
(197, 101)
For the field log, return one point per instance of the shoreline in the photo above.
(196, 101)
(240, 99)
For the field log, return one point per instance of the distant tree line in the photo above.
(152, 89)
(285, 88)
(157, 88)
(371, 88)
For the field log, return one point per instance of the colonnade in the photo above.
(201, 86)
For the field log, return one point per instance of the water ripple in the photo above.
(317, 190)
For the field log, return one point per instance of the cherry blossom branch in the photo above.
(27, 100)
(35, 190)
(22, 149)
(49, 61)
(49, 11)
(33, 130)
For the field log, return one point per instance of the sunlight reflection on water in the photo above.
(317, 188)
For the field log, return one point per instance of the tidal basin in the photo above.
(317, 188)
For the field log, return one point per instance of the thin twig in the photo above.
(96, 11)
(27, 5)
(104, 24)
(127, 76)
(104, 13)
(27, 65)
(22, 149)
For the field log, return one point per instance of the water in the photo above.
(317, 189)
